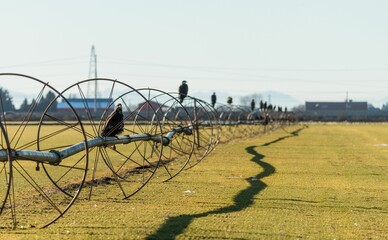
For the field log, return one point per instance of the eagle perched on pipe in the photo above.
(114, 123)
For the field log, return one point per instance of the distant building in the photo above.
(336, 111)
(148, 106)
(147, 110)
(80, 105)
(336, 106)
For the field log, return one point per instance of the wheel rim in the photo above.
(204, 134)
(127, 167)
(37, 202)
(6, 177)
(172, 114)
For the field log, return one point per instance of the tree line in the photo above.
(37, 105)
(263, 105)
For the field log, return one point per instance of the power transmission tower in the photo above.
(93, 74)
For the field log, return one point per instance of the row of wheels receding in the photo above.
(48, 154)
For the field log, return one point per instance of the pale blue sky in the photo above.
(313, 50)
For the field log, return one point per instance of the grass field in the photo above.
(317, 182)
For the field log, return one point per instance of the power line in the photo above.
(145, 63)
(61, 61)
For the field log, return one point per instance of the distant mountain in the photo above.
(379, 103)
(281, 99)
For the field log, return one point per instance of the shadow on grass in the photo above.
(174, 226)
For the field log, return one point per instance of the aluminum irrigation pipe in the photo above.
(54, 157)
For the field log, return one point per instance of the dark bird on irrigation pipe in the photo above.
(183, 90)
(214, 99)
(114, 123)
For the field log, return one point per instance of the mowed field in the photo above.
(312, 182)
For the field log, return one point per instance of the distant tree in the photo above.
(6, 103)
(33, 104)
(385, 107)
(25, 106)
(246, 100)
(41, 105)
(370, 106)
(299, 108)
(50, 96)
(261, 105)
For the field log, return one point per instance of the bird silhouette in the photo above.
(214, 99)
(114, 123)
(183, 90)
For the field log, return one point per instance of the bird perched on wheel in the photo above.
(214, 99)
(183, 90)
(114, 123)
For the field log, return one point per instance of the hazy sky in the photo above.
(312, 50)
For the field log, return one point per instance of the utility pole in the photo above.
(93, 74)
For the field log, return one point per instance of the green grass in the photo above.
(321, 182)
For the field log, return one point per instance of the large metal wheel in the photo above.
(206, 135)
(128, 167)
(254, 120)
(36, 200)
(214, 121)
(174, 120)
(5, 173)
(243, 127)
(228, 122)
